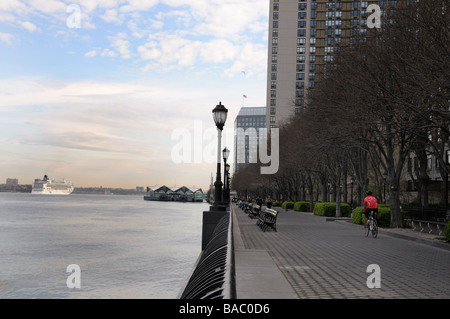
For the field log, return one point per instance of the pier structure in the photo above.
(175, 193)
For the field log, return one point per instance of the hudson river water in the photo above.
(125, 247)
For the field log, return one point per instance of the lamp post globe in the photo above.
(220, 116)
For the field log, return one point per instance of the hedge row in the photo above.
(302, 207)
(287, 205)
(329, 209)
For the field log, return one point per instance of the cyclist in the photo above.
(370, 205)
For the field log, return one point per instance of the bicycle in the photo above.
(372, 226)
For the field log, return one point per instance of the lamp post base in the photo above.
(211, 218)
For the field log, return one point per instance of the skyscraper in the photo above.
(247, 124)
(303, 35)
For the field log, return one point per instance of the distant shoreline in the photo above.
(78, 190)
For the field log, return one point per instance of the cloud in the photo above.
(121, 44)
(91, 53)
(138, 5)
(111, 15)
(108, 53)
(6, 37)
(29, 26)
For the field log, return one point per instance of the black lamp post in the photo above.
(226, 189)
(220, 117)
(225, 154)
(352, 180)
(384, 187)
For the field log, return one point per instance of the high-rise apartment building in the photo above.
(303, 35)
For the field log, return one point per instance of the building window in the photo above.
(429, 162)
(272, 110)
(299, 85)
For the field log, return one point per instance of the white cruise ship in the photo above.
(51, 186)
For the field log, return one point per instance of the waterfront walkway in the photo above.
(312, 257)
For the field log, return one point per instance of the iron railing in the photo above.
(214, 276)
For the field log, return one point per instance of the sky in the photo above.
(119, 93)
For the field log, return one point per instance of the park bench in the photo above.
(255, 211)
(248, 207)
(267, 218)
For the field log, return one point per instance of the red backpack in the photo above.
(371, 202)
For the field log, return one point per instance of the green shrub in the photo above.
(276, 203)
(384, 216)
(287, 205)
(357, 216)
(447, 231)
(302, 207)
(329, 209)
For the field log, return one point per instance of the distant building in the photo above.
(247, 124)
(12, 182)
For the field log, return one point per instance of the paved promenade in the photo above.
(310, 257)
